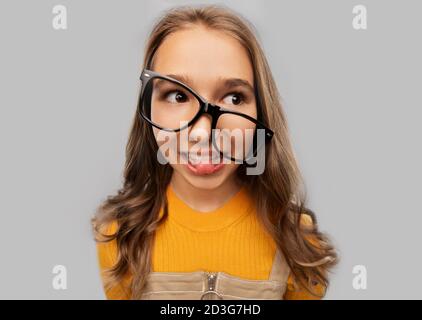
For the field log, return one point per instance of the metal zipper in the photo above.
(211, 278)
(210, 289)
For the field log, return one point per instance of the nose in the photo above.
(201, 130)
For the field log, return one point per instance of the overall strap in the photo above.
(280, 270)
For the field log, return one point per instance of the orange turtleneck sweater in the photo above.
(228, 239)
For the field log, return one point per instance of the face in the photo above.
(218, 68)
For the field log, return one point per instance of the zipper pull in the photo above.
(211, 281)
(210, 290)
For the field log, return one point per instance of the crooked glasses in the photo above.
(171, 105)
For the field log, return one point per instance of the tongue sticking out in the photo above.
(206, 167)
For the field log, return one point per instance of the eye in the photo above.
(176, 97)
(234, 98)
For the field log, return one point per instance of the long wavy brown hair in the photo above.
(278, 192)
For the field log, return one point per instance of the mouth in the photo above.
(205, 164)
(205, 157)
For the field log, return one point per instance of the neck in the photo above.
(200, 199)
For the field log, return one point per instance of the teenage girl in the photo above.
(197, 229)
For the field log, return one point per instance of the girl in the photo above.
(192, 228)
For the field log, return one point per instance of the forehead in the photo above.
(203, 54)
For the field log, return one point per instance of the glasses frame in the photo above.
(205, 107)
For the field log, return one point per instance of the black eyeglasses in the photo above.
(170, 105)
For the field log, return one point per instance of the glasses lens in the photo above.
(236, 137)
(168, 104)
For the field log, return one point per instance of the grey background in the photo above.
(352, 100)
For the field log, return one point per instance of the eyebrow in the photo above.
(228, 83)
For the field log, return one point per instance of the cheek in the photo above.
(231, 168)
(167, 143)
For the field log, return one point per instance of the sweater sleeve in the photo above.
(107, 254)
(300, 293)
